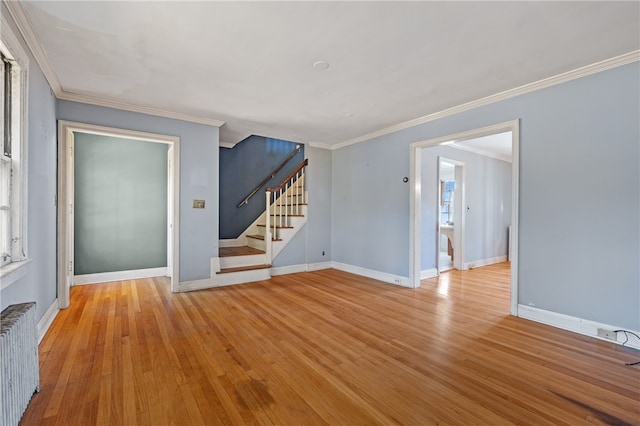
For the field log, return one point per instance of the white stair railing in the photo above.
(283, 201)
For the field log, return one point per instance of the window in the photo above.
(446, 201)
(13, 72)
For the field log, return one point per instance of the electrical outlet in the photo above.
(396, 280)
(198, 204)
(607, 334)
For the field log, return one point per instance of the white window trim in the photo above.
(11, 272)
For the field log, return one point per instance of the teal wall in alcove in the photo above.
(120, 204)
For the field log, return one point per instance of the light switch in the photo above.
(198, 204)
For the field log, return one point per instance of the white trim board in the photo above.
(47, 319)
(574, 324)
(370, 273)
(104, 277)
(289, 269)
(303, 267)
(485, 262)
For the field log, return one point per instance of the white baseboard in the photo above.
(428, 273)
(574, 324)
(47, 319)
(485, 262)
(370, 273)
(289, 269)
(294, 269)
(119, 276)
(318, 266)
(196, 285)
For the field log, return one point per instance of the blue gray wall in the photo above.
(579, 159)
(39, 282)
(120, 204)
(198, 177)
(487, 194)
(241, 169)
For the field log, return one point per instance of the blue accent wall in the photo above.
(241, 169)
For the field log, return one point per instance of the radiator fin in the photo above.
(18, 360)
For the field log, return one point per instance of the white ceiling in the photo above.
(496, 146)
(250, 64)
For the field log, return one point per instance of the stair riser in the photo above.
(232, 278)
(239, 261)
(257, 244)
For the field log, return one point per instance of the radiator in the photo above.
(19, 360)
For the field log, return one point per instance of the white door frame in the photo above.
(415, 198)
(459, 217)
(66, 130)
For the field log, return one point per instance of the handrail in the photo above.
(268, 178)
(289, 177)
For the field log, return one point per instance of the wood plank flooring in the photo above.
(325, 347)
(238, 251)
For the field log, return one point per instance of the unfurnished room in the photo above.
(320, 212)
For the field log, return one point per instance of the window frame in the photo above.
(13, 268)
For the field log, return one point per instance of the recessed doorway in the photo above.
(424, 223)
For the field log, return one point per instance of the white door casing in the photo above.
(66, 131)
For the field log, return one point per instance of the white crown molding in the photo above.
(93, 100)
(614, 62)
(320, 145)
(478, 151)
(23, 23)
(227, 144)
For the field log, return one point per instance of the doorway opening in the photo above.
(68, 190)
(450, 220)
(426, 211)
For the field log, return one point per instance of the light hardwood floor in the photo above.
(325, 347)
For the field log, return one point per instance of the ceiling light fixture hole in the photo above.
(321, 65)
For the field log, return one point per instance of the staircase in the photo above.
(267, 236)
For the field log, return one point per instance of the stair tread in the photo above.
(290, 215)
(278, 226)
(238, 251)
(261, 237)
(243, 268)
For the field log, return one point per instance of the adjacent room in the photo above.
(320, 212)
